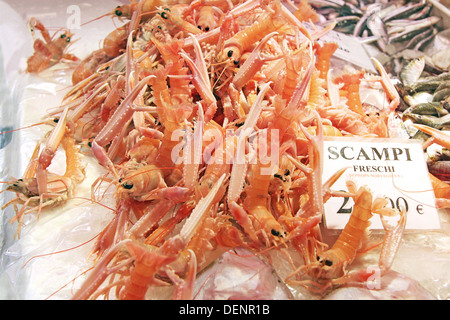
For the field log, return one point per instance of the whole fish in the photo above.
(442, 94)
(410, 25)
(362, 23)
(382, 23)
(430, 83)
(378, 29)
(432, 109)
(421, 44)
(412, 71)
(431, 121)
(404, 11)
(418, 39)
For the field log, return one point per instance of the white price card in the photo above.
(394, 169)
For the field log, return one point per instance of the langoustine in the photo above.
(51, 51)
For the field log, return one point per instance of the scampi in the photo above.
(50, 50)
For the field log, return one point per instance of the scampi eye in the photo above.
(275, 232)
(127, 185)
(279, 176)
(328, 263)
(164, 15)
(118, 13)
(230, 53)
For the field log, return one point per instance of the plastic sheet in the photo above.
(66, 230)
(25, 100)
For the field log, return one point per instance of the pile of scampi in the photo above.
(208, 118)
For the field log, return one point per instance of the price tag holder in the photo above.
(394, 169)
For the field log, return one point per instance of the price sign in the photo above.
(392, 169)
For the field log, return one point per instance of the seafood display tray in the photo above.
(49, 261)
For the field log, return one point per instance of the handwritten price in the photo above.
(400, 203)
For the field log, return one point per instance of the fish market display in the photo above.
(208, 120)
(382, 22)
